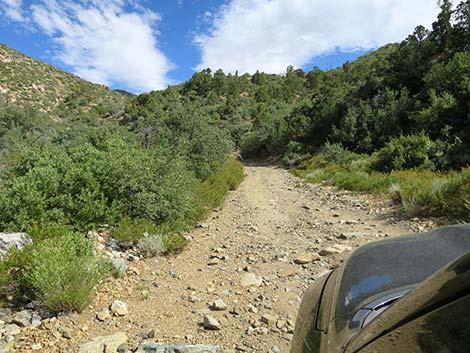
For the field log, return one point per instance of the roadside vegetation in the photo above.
(419, 192)
(395, 121)
(151, 177)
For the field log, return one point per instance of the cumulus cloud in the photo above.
(112, 42)
(269, 35)
(12, 10)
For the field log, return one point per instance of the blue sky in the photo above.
(141, 45)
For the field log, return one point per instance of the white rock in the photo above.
(328, 251)
(193, 299)
(250, 279)
(12, 330)
(22, 318)
(119, 308)
(219, 305)
(268, 319)
(36, 346)
(103, 315)
(13, 240)
(252, 309)
(120, 266)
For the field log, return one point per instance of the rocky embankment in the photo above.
(236, 287)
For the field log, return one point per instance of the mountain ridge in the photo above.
(28, 82)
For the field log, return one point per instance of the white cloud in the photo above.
(112, 42)
(12, 10)
(269, 35)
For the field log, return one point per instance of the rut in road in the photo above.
(269, 222)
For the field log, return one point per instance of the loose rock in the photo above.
(250, 280)
(22, 318)
(175, 348)
(120, 267)
(104, 344)
(119, 308)
(268, 319)
(12, 330)
(210, 323)
(304, 259)
(103, 315)
(218, 305)
(13, 240)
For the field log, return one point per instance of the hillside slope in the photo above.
(30, 83)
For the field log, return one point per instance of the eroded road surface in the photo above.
(255, 256)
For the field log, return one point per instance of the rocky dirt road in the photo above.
(254, 258)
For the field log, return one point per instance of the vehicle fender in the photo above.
(305, 326)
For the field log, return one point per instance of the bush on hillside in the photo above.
(295, 154)
(64, 272)
(165, 237)
(94, 184)
(410, 152)
(336, 154)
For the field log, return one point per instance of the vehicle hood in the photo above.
(382, 267)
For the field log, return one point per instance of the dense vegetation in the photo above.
(394, 121)
(151, 175)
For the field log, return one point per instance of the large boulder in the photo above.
(13, 240)
(175, 348)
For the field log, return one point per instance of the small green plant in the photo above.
(63, 273)
(133, 229)
(152, 239)
(152, 244)
(42, 231)
(174, 242)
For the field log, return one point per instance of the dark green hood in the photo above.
(382, 267)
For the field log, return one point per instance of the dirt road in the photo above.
(271, 221)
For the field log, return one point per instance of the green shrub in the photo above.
(132, 230)
(424, 197)
(315, 175)
(152, 239)
(165, 237)
(174, 242)
(457, 196)
(294, 154)
(420, 193)
(251, 146)
(44, 231)
(61, 272)
(410, 152)
(13, 274)
(375, 183)
(212, 192)
(97, 183)
(337, 154)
